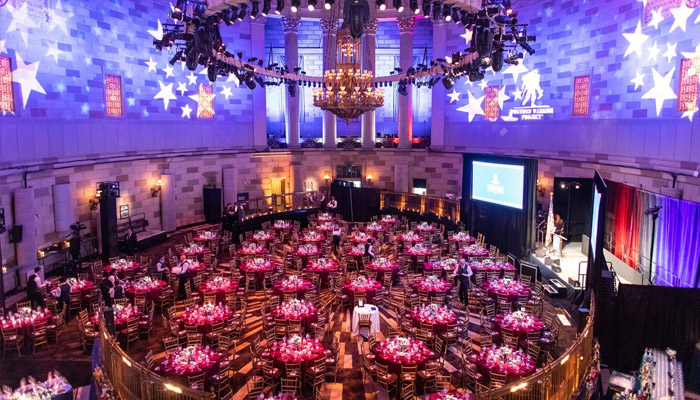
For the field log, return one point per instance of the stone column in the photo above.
(437, 119)
(291, 55)
(406, 25)
(25, 215)
(257, 49)
(168, 203)
(63, 215)
(230, 184)
(369, 46)
(329, 27)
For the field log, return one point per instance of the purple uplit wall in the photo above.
(633, 57)
(62, 50)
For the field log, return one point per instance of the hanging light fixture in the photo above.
(348, 91)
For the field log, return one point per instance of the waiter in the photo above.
(33, 285)
(463, 274)
(130, 242)
(62, 294)
(182, 272)
(332, 205)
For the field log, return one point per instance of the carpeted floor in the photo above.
(69, 359)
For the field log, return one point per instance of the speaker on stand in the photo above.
(108, 192)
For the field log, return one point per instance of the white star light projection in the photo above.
(25, 76)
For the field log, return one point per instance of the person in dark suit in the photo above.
(107, 288)
(463, 275)
(63, 293)
(130, 240)
(241, 213)
(33, 288)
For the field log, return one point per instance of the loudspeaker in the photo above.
(15, 234)
(212, 205)
(108, 226)
(581, 317)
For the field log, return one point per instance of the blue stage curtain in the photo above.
(678, 243)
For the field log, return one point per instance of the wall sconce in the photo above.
(369, 178)
(326, 177)
(94, 202)
(156, 188)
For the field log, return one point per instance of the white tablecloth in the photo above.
(373, 312)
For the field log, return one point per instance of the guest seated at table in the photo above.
(182, 272)
(333, 204)
(369, 250)
(162, 268)
(62, 293)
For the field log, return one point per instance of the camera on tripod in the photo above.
(76, 228)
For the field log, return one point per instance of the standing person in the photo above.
(322, 202)
(369, 249)
(162, 268)
(336, 239)
(234, 222)
(332, 204)
(62, 294)
(33, 288)
(130, 242)
(241, 213)
(463, 274)
(107, 288)
(182, 271)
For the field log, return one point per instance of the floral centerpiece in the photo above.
(373, 226)
(220, 284)
(294, 309)
(327, 226)
(358, 250)
(126, 313)
(425, 227)
(282, 225)
(207, 313)
(296, 348)
(308, 249)
(252, 249)
(208, 235)
(448, 264)
(418, 249)
(382, 264)
(325, 217)
(194, 248)
(403, 350)
(122, 264)
(191, 359)
(360, 237)
(145, 284)
(433, 283)
(520, 320)
(410, 236)
(262, 235)
(31, 389)
(25, 316)
(505, 359)
(461, 237)
(474, 250)
(389, 218)
(361, 283)
(433, 314)
(257, 264)
(322, 264)
(293, 283)
(313, 236)
(506, 286)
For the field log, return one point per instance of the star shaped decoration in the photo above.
(195, 97)
(186, 111)
(85, 109)
(662, 89)
(483, 84)
(232, 78)
(226, 92)
(473, 107)
(638, 80)
(502, 97)
(518, 94)
(151, 64)
(25, 76)
(168, 71)
(670, 51)
(192, 79)
(653, 52)
(131, 101)
(21, 23)
(3, 48)
(158, 33)
(53, 51)
(516, 70)
(680, 16)
(59, 18)
(454, 96)
(689, 114)
(636, 39)
(166, 94)
(697, 19)
(656, 18)
(467, 35)
(548, 12)
(182, 88)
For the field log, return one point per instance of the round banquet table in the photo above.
(305, 256)
(469, 240)
(180, 373)
(468, 252)
(388, 221)
(349, 289)
(259, 271)
(316, 240)
(300, 288)
(419, 284)
(220, 292)
(453, 395)
(480, 266)
(204, 325)
(307, 318)
(357, 253)
(394, 365)
(325, 217)
(438, 327)
(357, 239)
(263, 239)
(247, 251)
(446, 269)
(131, 267)
(120, 321)
(323, 271)
(373, 312)
(425, 228)
(27, 327)
(213, 239)
(196, 268)
(195, 253)
(390, 266)
(374, 230)
(85, 287)
(280, 359)
(513, 372)
(521, 330)
(495, 287)
(413, 239)
(152, 293)
(414, 255)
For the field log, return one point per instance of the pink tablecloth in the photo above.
(152, 293)
(512, 370)
(370, 289)
(285, 286)
(394, 361)
(505, 287)
(521, 326)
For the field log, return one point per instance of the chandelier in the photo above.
(348, 91)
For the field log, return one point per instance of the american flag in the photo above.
(550, 222)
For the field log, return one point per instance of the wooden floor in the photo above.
(68, 358)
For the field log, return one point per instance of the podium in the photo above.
(558, 243)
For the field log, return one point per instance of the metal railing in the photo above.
(278, 203)
(560, 379)
(423, 204)
(133, 381)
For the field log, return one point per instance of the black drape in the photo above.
(509, 229)
(356, 204)
(579, 208)
(653, 316)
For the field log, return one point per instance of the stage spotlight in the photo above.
(413, 5)
(426, 8)
(447, 12)
(226, 16)
(577, 185)
(211, 73)
(563, 185)
(448, 82)
(280, 7)
(177, 57)
(497, 60)
(267, 6)
(234, 13)
(295, 5)
(243, 11)
(437, 8)
(381, 4)
(311, 4)
(328, 4)
(527, 47)
(292, 89)
(398, 5)
(250, 80)
(456, 15)
(255, 8)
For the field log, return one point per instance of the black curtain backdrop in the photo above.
(653, 316)
(509, 229)
(356, 204)
(579, 208)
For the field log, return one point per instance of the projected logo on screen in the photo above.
(498, 183)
